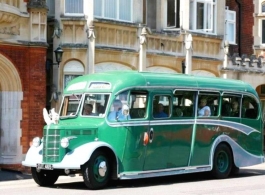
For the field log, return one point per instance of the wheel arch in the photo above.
(223, 139)
(113, 160)
(109, 151)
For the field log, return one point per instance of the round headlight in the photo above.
(36, 141)
(65, 142)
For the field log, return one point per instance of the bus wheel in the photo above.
(96, 172)
(44, 178)
(222, 162)
(234, 170)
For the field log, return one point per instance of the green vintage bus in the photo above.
(143, 124)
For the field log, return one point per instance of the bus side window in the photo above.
(161, 106)
(249, 108)
(209, 102)
(183, 104)
(137, 104)
(231, 105)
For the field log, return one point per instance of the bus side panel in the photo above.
(116, 137)
(134, 151)
(158, 146)
(179, 152)
(250, 142)
(205, 137)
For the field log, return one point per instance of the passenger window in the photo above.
(183, 104)
(208, 104)
(161, 106)
(249, 108)
(117, 111)
(231, 105)
(137, 104)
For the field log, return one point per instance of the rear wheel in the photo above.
(44, 177)
(222, 162)
(96, 172)
(234, 170)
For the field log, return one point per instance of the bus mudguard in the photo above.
(33, 156)
(242, 158)
(72, 160)
(80, 155)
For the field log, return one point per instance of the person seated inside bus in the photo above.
(235, 109)
(203, 109)
(100, 108)
(117, 114)
(177, 112)
(160, 112)
(226, 108)
(88, 108)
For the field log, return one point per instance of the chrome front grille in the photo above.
(51, 145)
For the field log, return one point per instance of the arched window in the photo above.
(72, 70)
(110, 66)
(202, 73)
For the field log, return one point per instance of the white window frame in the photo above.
(176, 12)
(230, 21)
(81, 13)
(207, 4)
(117, 14)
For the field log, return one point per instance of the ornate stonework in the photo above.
(6, 17)
(10, 29)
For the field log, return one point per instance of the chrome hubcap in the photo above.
(102, 168)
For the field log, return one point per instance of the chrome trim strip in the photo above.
(233, 125)
(164, 172)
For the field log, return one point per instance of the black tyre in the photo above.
(234, 170)
(96, 172)
(44, 177)
(222, 162)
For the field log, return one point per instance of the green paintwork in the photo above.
(174, 146)
(126, 79)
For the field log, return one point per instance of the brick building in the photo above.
(23, 49)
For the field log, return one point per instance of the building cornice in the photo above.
(30, 43)
(37, 4)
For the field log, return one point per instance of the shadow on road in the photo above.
(8, 175)
(167, 180)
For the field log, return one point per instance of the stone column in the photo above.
(225, 63)
(89, 11)
(188, 46)
(142, 52)
(90, 50)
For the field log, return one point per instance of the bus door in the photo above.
(207, 127)
(183, 117)
(160, 129)
(134, 149)
(230, 114)
(250, 114)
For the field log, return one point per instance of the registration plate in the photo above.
(44, 166)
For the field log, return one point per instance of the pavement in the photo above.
(9, 175)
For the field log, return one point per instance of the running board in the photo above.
(164, 172)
